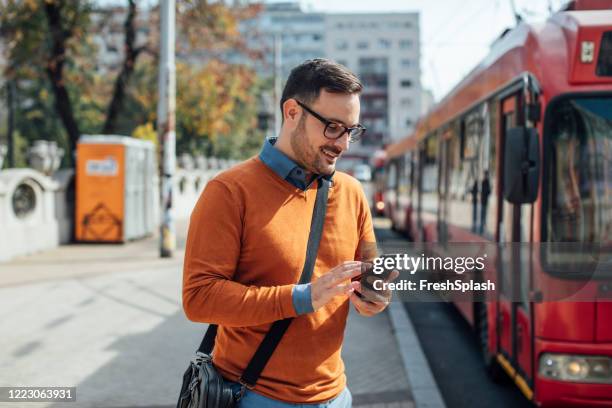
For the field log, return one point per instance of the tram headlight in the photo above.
(565, 367)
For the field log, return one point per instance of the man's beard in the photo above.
(308, 157)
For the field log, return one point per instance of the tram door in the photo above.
(515, 311)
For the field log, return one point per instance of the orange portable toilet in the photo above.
(114, 188)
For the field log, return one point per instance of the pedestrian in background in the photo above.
(247, 244)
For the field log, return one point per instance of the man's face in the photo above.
(313, 151)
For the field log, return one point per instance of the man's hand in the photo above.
(334, 283)
(370, 308)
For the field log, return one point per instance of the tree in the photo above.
(216, 109)
(26, 42)
(51, 38)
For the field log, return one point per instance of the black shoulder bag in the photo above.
(203, 386)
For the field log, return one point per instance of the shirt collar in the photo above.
(285, 167)
(275, 159)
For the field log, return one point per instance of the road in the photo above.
(452, 351)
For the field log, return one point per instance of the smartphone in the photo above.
(367, 279)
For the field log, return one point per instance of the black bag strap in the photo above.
(277, 330)
(208, 342)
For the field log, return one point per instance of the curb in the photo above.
(422, 383)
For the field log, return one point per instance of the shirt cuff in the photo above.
(302, 298)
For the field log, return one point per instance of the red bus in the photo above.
(521, 151)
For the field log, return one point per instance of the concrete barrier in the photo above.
(27, 213)
(188, 185)
(37, 211)
(189, 182)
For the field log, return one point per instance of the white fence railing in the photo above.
(37, 211)
(27, 213)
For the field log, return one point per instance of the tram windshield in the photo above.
(578, 189)
(579, 205)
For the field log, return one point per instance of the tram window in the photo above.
(429, 178)
(489, 146)
(431, 150)
(488, 202)
(402, 176)
(457, 207)
(472, 137)
(462, 139)
(410, 170)
(392, 176)
(471, 172)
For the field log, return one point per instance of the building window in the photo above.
(316, 37)
(406, 83)
(362, 45)
(384, 43)
(379, 104)
(407, 24)
(405, 44)
(406, 63)
(377, 66)
(406, 102)
(341, 45)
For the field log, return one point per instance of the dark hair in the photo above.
(307, 79)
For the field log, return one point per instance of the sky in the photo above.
(455, 34)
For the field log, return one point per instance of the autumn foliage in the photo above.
(52, 60)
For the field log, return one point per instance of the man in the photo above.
(247, 245)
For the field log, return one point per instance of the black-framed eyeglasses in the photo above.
(334, 130)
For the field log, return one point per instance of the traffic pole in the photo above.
(166, 125)
(10, 134)
(278, 49)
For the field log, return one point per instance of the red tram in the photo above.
(535, 113)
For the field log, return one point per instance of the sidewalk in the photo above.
(108, 320)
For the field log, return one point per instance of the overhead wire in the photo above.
(470, 17)
(440, 27)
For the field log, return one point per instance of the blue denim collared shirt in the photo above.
(290, 171)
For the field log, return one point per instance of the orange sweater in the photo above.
(245, 251)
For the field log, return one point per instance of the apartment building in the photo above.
(381, 48)
(285, 28)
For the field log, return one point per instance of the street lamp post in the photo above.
(166, 125)
(10, 135)
(278, 49)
